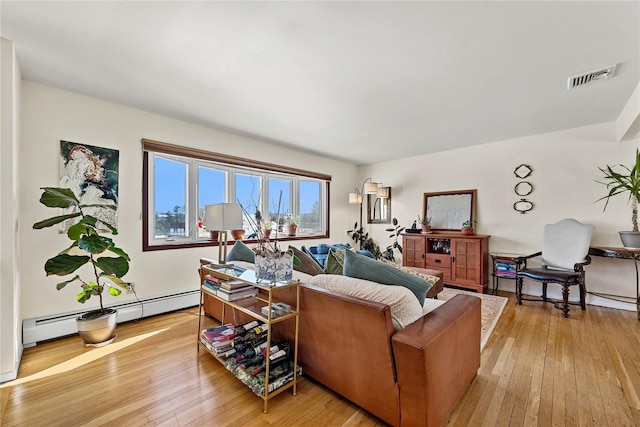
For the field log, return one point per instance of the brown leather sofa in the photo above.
(413, 377)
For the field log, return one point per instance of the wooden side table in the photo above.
(505, 266)
(621, 253)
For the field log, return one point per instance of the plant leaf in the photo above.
(113, 266)
(63, 264)
(54, 220)
(55, 197)
(94, 244)
(66, 282)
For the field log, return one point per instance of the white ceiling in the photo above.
(359, 81)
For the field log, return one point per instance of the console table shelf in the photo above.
(252, 306)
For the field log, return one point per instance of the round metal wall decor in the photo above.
(523, 188)
(523, 206)
(523, 171)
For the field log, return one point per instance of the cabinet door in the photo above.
(465, 265)
(413, 252)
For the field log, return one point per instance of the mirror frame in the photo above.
(468, 212)
(371, 201)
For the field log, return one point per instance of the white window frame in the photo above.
(193, 163)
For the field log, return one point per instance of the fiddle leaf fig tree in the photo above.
(621, 181)
(108, 263)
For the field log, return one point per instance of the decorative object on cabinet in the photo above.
(223, 217)
(522, 171)
(565, 248)
(467, 227)
(625, 180)
(463, 259)
(379, 206)
(426, 224)
(449, 209)
(88, 247)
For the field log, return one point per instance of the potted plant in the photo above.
(290, 226)
(467, 227)
(426, 224)
(88, 247)
(266, 229)
(621, 179)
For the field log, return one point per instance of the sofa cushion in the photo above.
(323, 248)
(241, 252)
(362, 267)
(306, 250)
(307, 264)
(335, 262)
(403, 305)
(429, 278)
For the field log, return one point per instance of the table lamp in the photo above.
(223, 217)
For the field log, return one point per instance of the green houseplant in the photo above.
(108, 263)
(290, 226)
(467, 227)
(426, 223)
(621, 179)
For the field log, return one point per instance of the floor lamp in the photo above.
(223, 217)
(368, 187)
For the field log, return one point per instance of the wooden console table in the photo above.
(622, 253)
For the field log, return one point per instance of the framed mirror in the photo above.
(378, 208)
(449, 209)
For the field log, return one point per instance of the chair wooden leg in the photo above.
(544, 291)
(583, 296)
(565, 300)
(519, 290)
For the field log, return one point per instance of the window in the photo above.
(179, 182)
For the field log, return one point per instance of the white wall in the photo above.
(565, 165)
(50, 115)
(10, 313)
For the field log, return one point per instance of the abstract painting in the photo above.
(92, 173)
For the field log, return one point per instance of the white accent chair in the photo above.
(565, 248)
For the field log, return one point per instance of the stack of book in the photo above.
(505, 269)
(218, 339)
(232, 290)
(211, 282)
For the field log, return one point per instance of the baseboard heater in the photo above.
(46, 328)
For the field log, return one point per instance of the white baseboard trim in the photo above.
(12, 375)
(55, 326)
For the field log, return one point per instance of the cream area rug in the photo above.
(491, 305)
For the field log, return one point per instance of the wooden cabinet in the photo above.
(463, 259)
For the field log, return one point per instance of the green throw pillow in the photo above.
(307, 264)
(362, 267)
(335, 262)
(241, 252)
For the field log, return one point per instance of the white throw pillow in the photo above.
(405, 308)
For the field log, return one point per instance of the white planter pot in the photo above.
(630, 239)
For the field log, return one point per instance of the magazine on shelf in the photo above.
(218, 331)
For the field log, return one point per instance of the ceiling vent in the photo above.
(593, 76)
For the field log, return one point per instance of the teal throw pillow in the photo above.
(335, 262)
(362, 267)
(241, 252)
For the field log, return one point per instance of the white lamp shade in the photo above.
(370, 188)
(224, 216)
(383, 192)
(355, 198)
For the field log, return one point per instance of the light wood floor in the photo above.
(537, 369)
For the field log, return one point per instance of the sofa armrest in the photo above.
(436, 359)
